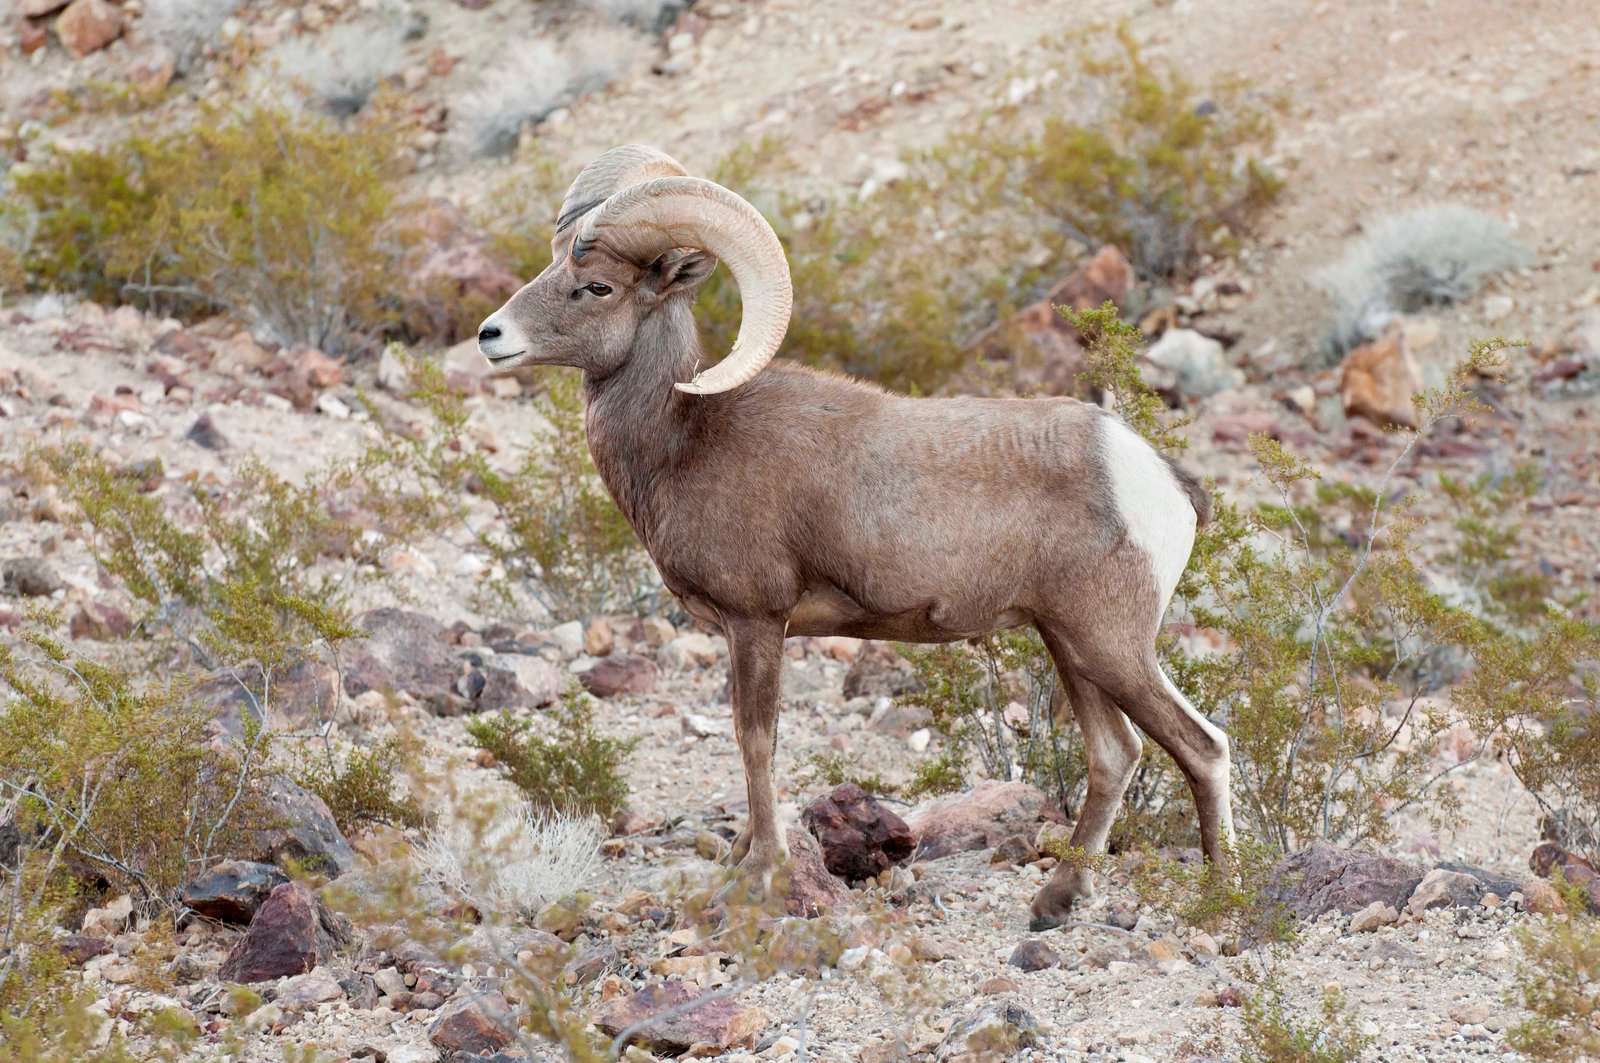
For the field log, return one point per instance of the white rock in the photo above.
(918, 740)
(703, 726)
(1193, 365)
(110, 920)
(569, 637)
(392, 374)
(333, 406)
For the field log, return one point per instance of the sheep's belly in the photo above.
(829, 611)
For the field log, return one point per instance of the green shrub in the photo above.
(278, 219)
(114, 773)
(1276, 1033)
(358, 784)
(577, 769)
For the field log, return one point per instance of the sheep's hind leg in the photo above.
(1113, 748)
(756, 650)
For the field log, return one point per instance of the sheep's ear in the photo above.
(678, 271)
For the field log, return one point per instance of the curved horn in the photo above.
(610, 174)
(646, 220)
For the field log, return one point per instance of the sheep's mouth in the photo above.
(496, 359)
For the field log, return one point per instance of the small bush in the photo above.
(1275, 1033)
(512, 860)
(575, 771)
(1160, 171)
(1406, 262)
(285, 222)
(114, 773)
(358, 785)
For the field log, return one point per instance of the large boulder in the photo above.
(860, 838)
(300, 832)
(720, 1022)
(291, 934)
(402, 652)
(1441, 888)
(233, 891)
(1325, 878)
(301, 695)
(981, 818)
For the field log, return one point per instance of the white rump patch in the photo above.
(1157, 512)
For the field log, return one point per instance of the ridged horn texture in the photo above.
(611, 173)
(645, 220)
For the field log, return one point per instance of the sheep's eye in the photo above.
(597, 288)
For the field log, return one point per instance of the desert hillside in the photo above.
(343, 717)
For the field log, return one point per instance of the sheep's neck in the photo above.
(635, 420)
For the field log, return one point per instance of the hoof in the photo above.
(1040, 923)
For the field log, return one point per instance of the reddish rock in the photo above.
(878, 672)
(31, 36)
(1548, 856)
(621, 674)
(403, 652)
(79, 949)
(474, 1024)
(981, 818)
(1377, 380)
(1032, 954)
(1014, 851)
(860, 838)
(291, 934)
(88, 26)
(39, 8)
(1323, 878)
(720, 1023)
(1047, 350)
(101, 622)
(813, 889)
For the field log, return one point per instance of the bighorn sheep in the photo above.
(795, 502)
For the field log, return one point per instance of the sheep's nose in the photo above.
(487, 333)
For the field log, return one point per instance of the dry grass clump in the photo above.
(511, 860)
(1407, 262)
(534, 79)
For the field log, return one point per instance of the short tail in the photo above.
(1199, 497)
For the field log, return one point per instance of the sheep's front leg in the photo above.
(756, 649)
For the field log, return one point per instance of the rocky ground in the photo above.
(1386, 108)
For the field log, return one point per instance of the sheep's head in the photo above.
(634, 232)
